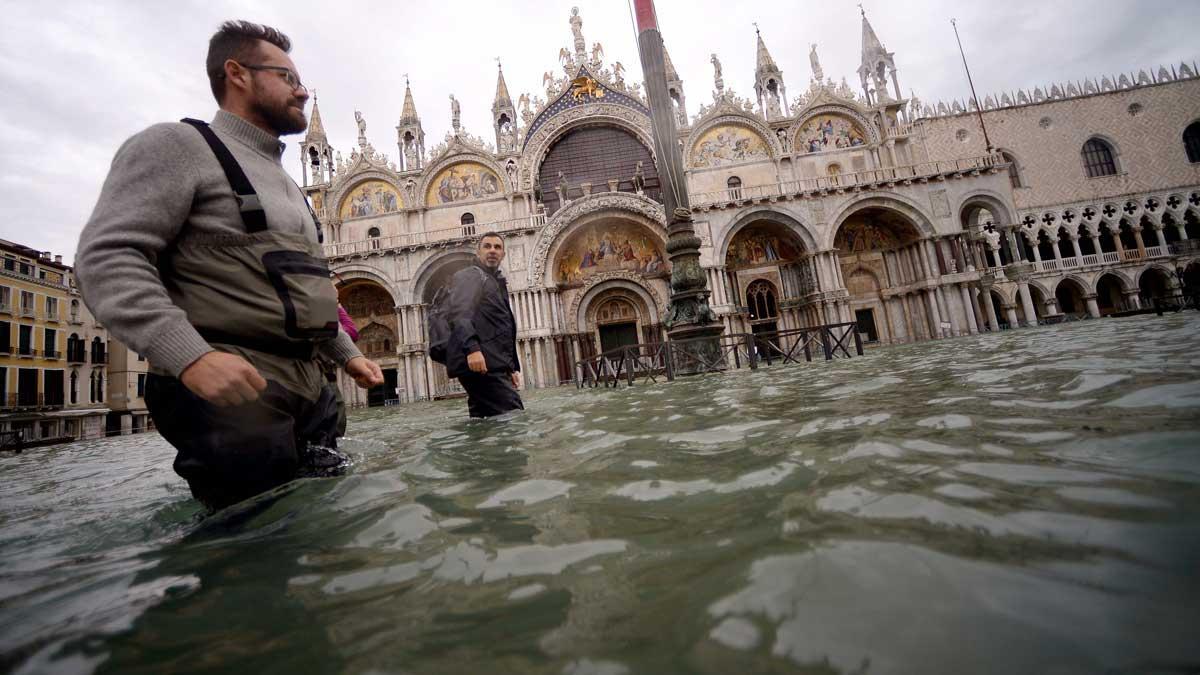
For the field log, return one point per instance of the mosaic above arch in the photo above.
(728, 144)
(464, 181)
(370, 198)
(829, 132)
(761, 244)
(606, 247)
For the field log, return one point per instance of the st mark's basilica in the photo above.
(844, 203)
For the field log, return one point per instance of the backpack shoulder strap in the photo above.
(253, 216)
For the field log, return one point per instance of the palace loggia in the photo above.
(841, 204)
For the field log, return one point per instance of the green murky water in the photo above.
(1013, 503)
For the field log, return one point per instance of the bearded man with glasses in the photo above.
(203, 255)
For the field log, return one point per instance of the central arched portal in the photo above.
(768, 274)
(877, 250)
(373, 311)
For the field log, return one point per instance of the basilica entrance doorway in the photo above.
(615, 335)
(865, 318)
(880, 253)
(617, 323)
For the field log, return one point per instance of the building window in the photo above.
(1098, 159)
(468, 224)
(27, 307)
(25, 340)
(74, 310)
(735, 187)
(52, 309)
(373, 235)
(5, 299)
(141, 385)
(1191, 142)
(1014, 171)
(74, 387)
(52, 387)
(760, 299)
(5, 337)
(50, 343)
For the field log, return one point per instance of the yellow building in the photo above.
(53, 355)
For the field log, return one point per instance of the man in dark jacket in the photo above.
(482, 350)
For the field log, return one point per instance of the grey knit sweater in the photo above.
(163, 180)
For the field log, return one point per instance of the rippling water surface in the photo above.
(1025, 502)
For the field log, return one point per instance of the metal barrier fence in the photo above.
(648, 362)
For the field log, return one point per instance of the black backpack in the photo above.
(437, 320)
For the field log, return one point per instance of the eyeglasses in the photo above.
(290, 77)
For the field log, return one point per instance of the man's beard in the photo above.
(283, 118)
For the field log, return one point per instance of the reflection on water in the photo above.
(1019, 502)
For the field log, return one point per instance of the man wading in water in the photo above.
(482, 349)
(203, 255)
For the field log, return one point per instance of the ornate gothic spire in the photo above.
(504, 115)
(408, 115)
(765, 64)
(768, 82)
(316, 130)
(409, 134)
(672, 75)
(502, 98)
(877, 64)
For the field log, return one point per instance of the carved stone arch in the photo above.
(1084, 287)
(637, 207)
(768, 214)
(1113, 221)
(457, 155)
(430, 267)
(1008, 296)
(1137, 279)
(357, 271)
(1181, 203)
(752, 123)
(991, 200)
(865, 123)
(1040, 285)
(334, 199)
(889, 201)
(863, 269)
(1127, 283)
(538, 145)
(617, 279)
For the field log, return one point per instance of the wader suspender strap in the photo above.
(253, 216)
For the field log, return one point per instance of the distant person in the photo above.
(203, 255)
(482, 349)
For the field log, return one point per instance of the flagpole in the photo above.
(688, 314)
(978, 108)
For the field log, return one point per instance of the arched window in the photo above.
(735, 187)
(74, 387)
(1014, 171)
(760, 300)
(1191, 142)
(373, 235)
(1098, 159)
(468, 224)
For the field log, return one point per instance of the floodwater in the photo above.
(1023, 502)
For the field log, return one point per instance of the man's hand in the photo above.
(366, 373)
(516, 379)
(223, 379)
(476, 362)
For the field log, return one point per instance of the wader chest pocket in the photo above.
(309, 301)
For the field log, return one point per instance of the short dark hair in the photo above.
(487, 235)
(237, 40)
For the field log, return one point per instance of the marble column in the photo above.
(909, 324)
(973, 293)
(1010, 312)
(990, 308)
(1075, 246)
(947, 313)
(1158, 234)
(1027, 303)
(935, 317)
(1132, 300)
(972, 328)
(1093, 308)
(539, 364)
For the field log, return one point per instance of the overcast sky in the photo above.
(78, 77)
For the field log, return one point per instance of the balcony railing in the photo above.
(52, 354)
(26, 351)
(28, 311)
(5, 308)
(79, 356)
(432, 236)
(99, 358)
(846, 180)
(1106, 258)
(17, 401)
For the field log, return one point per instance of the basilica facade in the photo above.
(917, 221)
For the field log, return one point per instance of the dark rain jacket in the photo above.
(481, 320)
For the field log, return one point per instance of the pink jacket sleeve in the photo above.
(347, 323)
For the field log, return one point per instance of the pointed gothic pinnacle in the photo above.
(502, 98)
(316, 130)
(408, 114)
(764, 63)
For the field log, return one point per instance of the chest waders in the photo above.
(265, 296)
